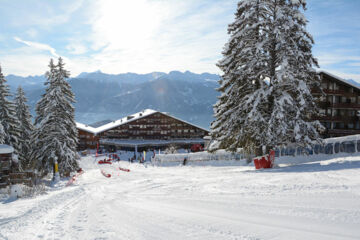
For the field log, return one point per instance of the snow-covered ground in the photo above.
(313, 200)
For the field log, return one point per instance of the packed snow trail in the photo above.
(318, 200)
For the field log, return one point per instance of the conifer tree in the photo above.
(26, 128)
(241, 107)
(268, 73)
(2, 134)
(56, 133)
(8, 120)
(291, 74)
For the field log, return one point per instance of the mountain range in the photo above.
(100, 96)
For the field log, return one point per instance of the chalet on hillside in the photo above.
(142, 130)
(340, 107)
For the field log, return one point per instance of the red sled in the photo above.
(104, 162)
(73, 178)
(124, 169)
(108, 175)
(266, 161)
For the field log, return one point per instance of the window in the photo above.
(350, 126)
(335, 112)
(324, 85)
(337, 147)
(337, 99)
(329, 99)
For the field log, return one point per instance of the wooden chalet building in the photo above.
(6, 152)
(340, 107)
(148, 129)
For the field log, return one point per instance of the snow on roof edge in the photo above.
(339, 78)
(85, 127)
(124, 120)
(6, 149)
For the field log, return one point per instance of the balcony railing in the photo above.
(344, 131)
(346, 105)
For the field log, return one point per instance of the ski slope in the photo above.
(313, 200)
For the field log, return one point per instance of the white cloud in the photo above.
(32, 33)
(76, 48)
(44, 14)
(39, 46)
(336, 58)
(25, 61)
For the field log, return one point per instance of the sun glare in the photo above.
(126, 24)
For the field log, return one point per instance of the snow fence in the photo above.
(198, 157)
(348, 144)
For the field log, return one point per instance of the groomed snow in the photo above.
(314, 200)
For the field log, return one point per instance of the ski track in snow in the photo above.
(318, 200)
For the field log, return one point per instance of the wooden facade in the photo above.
(5, 169)
(87, 140)
(339, 108)
(155, 126)
(142, 126)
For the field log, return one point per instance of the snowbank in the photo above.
(5, 149)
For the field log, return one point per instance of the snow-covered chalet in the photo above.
(148, 129)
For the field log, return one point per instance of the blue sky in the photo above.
(117, 36)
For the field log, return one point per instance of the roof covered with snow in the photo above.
(85, 128)
(340, 79)
(5, 149)
(125, 120)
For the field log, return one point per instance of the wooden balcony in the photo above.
(346, 106)
(343, 132)
(345, 119)
(334, 92)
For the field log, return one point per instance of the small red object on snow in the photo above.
(104, 161)
(108, 175)
(73, 178)
(124, 169)
(266, 161)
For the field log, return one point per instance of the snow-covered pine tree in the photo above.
(39, 160)
(268, 73)
(2, 134)
(8, 119)
(291, 75)
(56, 134)
(68, 163)
(44, 101)
(26, 128)
(241, 111)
